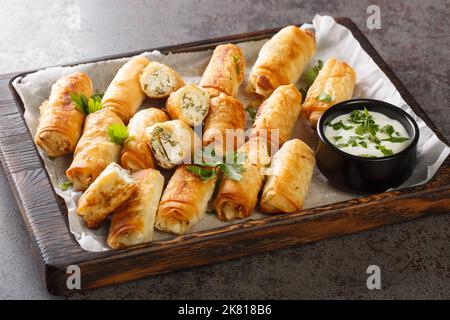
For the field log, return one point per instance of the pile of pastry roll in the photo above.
(133, 193)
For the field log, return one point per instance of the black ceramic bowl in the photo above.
(361, 173)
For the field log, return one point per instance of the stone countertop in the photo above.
(414, 40)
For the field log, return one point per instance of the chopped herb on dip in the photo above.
(367, 134)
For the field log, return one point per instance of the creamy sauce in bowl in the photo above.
(367, 134)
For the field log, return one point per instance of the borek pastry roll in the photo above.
(61, 122)
(334, 83)
(189, 104)
(158, 80)
(225, 124)
(184, 201)
(95, 150)
(237, 199)
(225, 71)
(281, 60)
(124, 94)
(171, 142)
(136, 154)
(111, 189)
(133, 222)
(279, 112)
(291, 171)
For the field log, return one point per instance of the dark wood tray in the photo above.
(56, 249)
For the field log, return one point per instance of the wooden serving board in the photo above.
(56, 248)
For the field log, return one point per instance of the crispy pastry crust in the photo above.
(159, 80)
(337, 80)
(281, 60)
(290, 175)
(94, 151)
(60, 122)
(184, 201)
(133, 222)
(279, 112)
(124, 94)
(225, 71)
(136, 154)
(237, 199)
(111, 189)
(225, 113)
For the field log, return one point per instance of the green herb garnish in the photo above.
(85, 105)
(232, 170)
(324, 97)
(236, 61)
(65, 185)
(204, 173)
(312, 73)
(384, 150)
(395, 139)
(366, 156)
(252, 112)
(117, 133)
(390, 131)
(337, 138)
(339, 125)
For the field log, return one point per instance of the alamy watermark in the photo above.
(374, 280)
(374, 20)
(74, 279)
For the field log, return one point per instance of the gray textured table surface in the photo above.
(414, 40)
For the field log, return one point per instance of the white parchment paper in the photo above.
(333, 40)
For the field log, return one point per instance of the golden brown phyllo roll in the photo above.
(281, 60)
(61, 122)
(334, 83)
(136, 154)
(133, 222)
(236, 199)
(124, 94)
(171, 142)
(277, 116)
(94, 151)
(225, 71)
(225, 114)
(111, 189)
(289, 176)
(189, 104)
(184, 200)
(158, 80)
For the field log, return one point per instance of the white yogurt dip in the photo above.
(367, 134)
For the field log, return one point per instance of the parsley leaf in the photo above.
(85, 105)
(65, 185)
(312, 73)
(204, 173)
(232, 170)
(337, 138)
(366, 156)
(117, 133)
(252, 112)
(396, 139)
(324, 97)
(236, 61)
(384, 150)
(339, 125)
